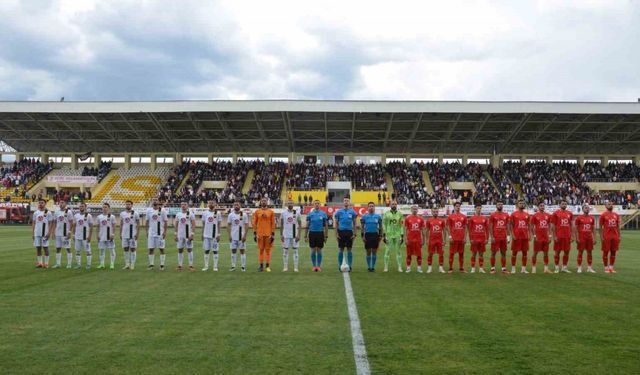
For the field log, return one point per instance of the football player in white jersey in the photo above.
(290, 225)
(184, 225)
(211, 220)
(63, 219)
(237, 223)
(41, 230)
(106, 235)
(82, 228)
(156, 232)
(129, 222)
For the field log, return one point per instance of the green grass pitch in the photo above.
(142, 322)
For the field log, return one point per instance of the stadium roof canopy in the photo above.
(303, 126)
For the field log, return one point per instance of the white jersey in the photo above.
(237, 221)
(106, 226)
(291, 223)
(185, 222)
(63, 222)
(43, 220)
(155, 222)
(129, 222)
(211, 224)
(83, 223)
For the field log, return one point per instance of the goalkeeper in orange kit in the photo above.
(264, 227)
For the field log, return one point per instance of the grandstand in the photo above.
(416, 152)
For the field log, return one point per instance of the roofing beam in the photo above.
(388, 132)
(198, 127)
(546, 127)
(74, 131)
(353, 128)
(261, 131)
(576, 127)
(133, 129)
(111, 134)
(514, 132)
(326, 133)
(482, 124)
(452, 127)
(162, 131)
(414, 131)
(227, 132)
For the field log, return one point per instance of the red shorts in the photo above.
(436, 248)
(499, 245)
(586, 244)
(456, 247)
(478, 247)
(519, 245)
(414, 249)
(541, 246)
(610, 244)
(562, 244)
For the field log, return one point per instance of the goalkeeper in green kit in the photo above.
(392, 222)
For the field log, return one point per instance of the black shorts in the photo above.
(316, 240)
(371, 240)
(345, 239)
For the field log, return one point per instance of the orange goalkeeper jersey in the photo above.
(264, 222)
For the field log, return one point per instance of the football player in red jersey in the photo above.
(414, 227)
(541, 222)
(498, 223)
(561, 229)
(520, 230)
(435, 229)
(585, 233)
(609, 237)
(479, 236)
(457, 228)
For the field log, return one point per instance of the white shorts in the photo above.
(106, 244)
(184, 242)
(130, 243)
(235, 244)
(210, 244)
(62, 242)
(83, 245)
(290, 242)
(40, 242)
(153, 242)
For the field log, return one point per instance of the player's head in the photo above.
(346, 202)
(105, 208)
(372, 207)
(211, 204)
(541, 206)
(236, 206)
(608, 205)
(434, 211)
(414, 209)
(184, 206)
(62, 204)
(586, 209)
(456, 207)
(394, 205)
(563, 204)
(82, 207)
(290, 204)
(263, 202)
(316, 204)
(520, 204)
(499, 205)
(128, 205)
(154, 201)
(478, 208)
(41, 204)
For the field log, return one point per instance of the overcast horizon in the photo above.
(463, 50)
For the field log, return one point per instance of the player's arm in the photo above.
(193, 228)
(282, 228)
(362, 228)
(166, 221)
(553, 227)
(424, 234)
(326, 228)
(73, 225)
(381, 229)
(254, 227)
(574, 229)
(509, 228)
(355, 222)
(273, 226)
(601, 222)
(175, 228)
(490, 227)
(532, 233)
(486, 232)
(229, 226)
(401, 230)
(33, 227)
(245, 228)
(53, 226)
(593, 232)
(306, 229)
(298, 219)
(113, 228)
(385, 225)
(51, 229)
(90, 220)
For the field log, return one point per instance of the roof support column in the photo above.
(495, 160)
(209, 158)
(636, 160)
(407, 158)
(605, 160)
(153, 162)
(383, 159)
(549, 159)
(580, 160)
(177, 159)
(465, 159)
(74, 161)
(127, 161)
(44, 158)
(96, 160)
(440, 158)
(234, 158)
(19, 156)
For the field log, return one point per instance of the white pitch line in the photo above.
(359, 350)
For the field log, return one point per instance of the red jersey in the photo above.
(585, 224)
(609, 223)
(478, 228)
(499, 221)
(562, 223)
(541, 222)
(456, 224)
(413, 227)
(520, 225)
(436, 230)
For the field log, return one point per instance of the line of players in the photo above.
(499, 228)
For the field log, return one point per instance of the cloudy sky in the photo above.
(423, 50)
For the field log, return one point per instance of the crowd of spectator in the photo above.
(100, 172)
(303, 176)
(408, 183)
(267, 182)
(368, 177)
(613, 172)
(66, 195)
(23, 173)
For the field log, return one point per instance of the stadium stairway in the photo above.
(493, 183)
(247, 181)
(624, 219)
(102, 187)
(389, 181)
(427, 181)
(184, 181)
